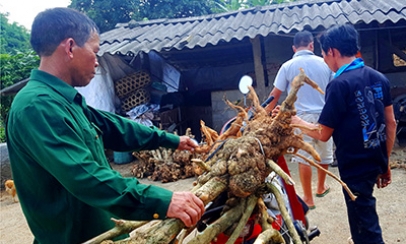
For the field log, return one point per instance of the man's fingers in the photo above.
(186, 207)
(196, 209)
(192, 214)
(199, 203)
(186, 219)
(186, 143)
(383, 182)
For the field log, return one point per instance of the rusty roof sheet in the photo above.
(177, 34)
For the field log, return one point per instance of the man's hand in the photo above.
(187, 207)
(384, 179)
(275, 111)
(296, 120)
(186, 143)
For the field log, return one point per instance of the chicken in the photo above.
(11, 189)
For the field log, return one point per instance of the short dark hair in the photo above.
(344, 38)
(302, 39)
(52, 26)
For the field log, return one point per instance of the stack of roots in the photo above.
(165, 165)
(236, 162)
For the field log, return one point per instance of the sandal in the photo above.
(324, 193)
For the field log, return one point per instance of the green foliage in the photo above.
(156, 9)
(14, 68)
(13, 37)
(16, 60)
(2, 133)
(231, 5)
(107, 13)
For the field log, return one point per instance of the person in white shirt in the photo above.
(308, 105)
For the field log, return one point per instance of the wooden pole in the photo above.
(259, 68)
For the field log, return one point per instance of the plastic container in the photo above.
(122, 157)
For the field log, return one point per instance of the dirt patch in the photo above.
(330, 214)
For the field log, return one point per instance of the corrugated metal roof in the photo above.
(178, 34)
(224, 38)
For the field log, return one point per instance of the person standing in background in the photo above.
(308, 105)
(359, 115)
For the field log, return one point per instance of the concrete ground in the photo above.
(330, 213)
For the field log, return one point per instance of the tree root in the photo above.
(220, 225)
(285, 214)
(122, 227)
(311, 162)
(279, 171)
(268, 234)
(250, 205)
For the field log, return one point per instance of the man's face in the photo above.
(85, 61)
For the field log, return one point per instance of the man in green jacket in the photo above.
(67, 189)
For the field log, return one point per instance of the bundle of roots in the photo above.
(237, 162)
(165, 165)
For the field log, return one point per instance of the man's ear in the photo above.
(311, 46)
(68, 46)
(294, 48)
(335, 52)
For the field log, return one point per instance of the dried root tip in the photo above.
(255, 101)
(270, 236)
(319, 128)
(299, 80)
(238, 108)
(278, 170)
(300, 144)
(209, 134)
(311, 82)
(311, 162)
(235, 128)
(201, 164)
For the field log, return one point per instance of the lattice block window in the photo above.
(131, 83)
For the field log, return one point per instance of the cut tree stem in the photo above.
(250, 205)
(122, 227)
(221, 224)
(284, 213)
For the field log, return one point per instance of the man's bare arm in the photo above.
(317, 131)
(390, 128)
(386, 178)
(276, 93)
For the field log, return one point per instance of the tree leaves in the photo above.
(107, 13)
(13, 37)
(16, 59)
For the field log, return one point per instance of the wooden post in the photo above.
(259, 69)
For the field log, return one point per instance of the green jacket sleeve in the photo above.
(122, 134)
(70, 148)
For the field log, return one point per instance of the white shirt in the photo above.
(308, 99)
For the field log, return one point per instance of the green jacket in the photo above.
(66, 187)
